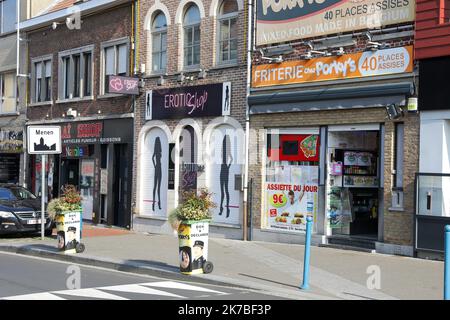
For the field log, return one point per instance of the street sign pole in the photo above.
(43, 196)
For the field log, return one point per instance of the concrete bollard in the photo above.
(305, 285)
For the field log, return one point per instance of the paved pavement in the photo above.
(29, 278)
(335, 274)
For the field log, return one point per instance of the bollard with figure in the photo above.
(305, 285)
(447, 264)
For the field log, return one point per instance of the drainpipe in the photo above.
(247, 113)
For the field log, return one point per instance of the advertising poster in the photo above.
(357, 65)
(292, 198)
(287, 20)
(68, 231)
(339, 212)
(193, 247)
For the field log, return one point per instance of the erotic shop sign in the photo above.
(184, 102)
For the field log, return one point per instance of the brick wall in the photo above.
(95, 29)
(236, 74)
(398, 226)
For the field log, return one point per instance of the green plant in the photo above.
(195, 207)
(69, 201)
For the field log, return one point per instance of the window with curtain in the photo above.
(115, 61)
(228, 31)
(38, 83)
(76, 72)
(48, 80)
(8, 92)
(159, 42)
(41, 87)
(191, 26)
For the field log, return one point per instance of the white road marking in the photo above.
(180, 286)
(35, 296)
(91, 293)
(136, 288)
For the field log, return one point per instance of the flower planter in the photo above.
(193, 247)
(68, 228)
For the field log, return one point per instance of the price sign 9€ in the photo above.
(278, 200)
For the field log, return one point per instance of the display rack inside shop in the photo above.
(358, 169)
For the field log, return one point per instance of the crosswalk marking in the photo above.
(119, 292)
(135, 288)
(36, 296)
(178, 285)
(91, 293)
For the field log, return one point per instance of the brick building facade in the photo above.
(69, 64)
(353, 204)
(189, 138)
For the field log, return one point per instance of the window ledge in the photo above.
(39, 104)
(75, 100)
(397, 209)
(155, 75)
(191, 70)
(9, 114)
(225, 66)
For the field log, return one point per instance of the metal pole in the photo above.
(447, 264)
(43, 196)
(305, 285)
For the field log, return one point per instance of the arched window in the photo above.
(159, 42)
(191, 25)
(228, 32)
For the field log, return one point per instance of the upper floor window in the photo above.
(8, 15)
(41, 86)
(159, 42)
(8, 92)
(115, 60)
(191, 26)
(228, 31)
(75, 70)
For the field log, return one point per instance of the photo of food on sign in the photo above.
(292, 198)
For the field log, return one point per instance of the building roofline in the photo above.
(87, 7)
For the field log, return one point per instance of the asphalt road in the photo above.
(29, 278)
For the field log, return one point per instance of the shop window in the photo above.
(8, 92)
(115, 60)
(228, 31)
(291, 180)
(191, 26)
(159, 42)
(76, 73)
(8, 15)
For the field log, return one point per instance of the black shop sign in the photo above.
(97, 132)
(211, 100)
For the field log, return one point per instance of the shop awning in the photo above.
(372, 96)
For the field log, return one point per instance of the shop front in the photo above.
(97, 159)
(332, 152)
(11, 155)
(190, 142)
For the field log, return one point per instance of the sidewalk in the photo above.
(335, 274)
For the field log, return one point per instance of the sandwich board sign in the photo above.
(44, 140)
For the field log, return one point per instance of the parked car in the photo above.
(20, 211)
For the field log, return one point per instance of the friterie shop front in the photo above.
(332, 152)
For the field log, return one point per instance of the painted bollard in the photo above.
(305, 285)
(193, 247)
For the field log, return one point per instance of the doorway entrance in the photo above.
(353, 186)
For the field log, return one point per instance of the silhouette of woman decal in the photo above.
(156, 159)
(225, 174)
